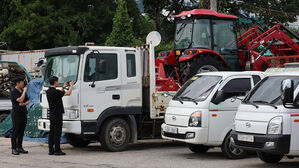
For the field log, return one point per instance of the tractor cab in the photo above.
(203, 31)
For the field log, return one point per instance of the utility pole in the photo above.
(213, 5)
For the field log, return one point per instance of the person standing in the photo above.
(54, 97)
(19, 101)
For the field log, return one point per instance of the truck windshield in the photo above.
(65, 67)
(197, 88)
(183, 34)
(268, 90)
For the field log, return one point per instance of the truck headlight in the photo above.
(71, 114)
(275, 125)
(195, 119)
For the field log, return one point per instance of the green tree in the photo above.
(122, 31)
(35, 24)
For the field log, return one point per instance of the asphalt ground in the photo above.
(149, 153)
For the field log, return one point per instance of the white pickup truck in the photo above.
(267, 121)
(202, 111)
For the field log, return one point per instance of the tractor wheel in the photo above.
(202, 64)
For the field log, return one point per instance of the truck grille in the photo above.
(250, 144)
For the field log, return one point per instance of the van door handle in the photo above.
(115, 97)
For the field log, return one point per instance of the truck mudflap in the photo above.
(275, 144)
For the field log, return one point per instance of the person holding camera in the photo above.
(54, 97)
(19, 101)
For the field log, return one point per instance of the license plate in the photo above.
(246, 138)
(170, 129)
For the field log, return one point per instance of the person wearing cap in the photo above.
(19, 101)
(56, 108)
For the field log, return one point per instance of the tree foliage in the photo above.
(122, 32)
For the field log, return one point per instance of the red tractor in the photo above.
(207, 41)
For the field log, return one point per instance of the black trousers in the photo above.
(19, 122)
(55, 134)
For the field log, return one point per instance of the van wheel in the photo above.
(76, 140)
(115, 135)
(3, 117)
(269, 158)
(232, 152)
(198, 148)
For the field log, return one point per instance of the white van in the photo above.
(202, 111)
(267, 120)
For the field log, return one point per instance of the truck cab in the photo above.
(115, 97)
(267, 120)
(202, 111)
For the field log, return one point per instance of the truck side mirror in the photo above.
(287, 92)
(40, 63)
(101, 68)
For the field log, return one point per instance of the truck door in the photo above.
(221, 115)
(132, 85)
(101, 83)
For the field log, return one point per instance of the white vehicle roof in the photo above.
(110, 48)
(294, 73)
(233, 73)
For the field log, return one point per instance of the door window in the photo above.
(131, 65)
(238, 86)
(256, 79)
(100, 67)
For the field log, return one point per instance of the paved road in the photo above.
(144, 154)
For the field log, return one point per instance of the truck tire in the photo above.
(269, 158)
(231, 152)
(3, 117)
(202, 64)
(76, 140)
(198, 148)
(115, 135)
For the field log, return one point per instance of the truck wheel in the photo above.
(115, 135)
(232, 152)
(269, 158)
(76, 140)
(3, 117)
(198, 148)
(202, 64)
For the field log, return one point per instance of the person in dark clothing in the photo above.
(54, 97)
(19, 101)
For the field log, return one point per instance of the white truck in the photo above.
(267, 121)
(201, 113)
(114, 98)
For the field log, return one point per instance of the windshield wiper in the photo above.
(181, 28)
(266, 103)
(248, 102)
(180, 100)
(189, 98)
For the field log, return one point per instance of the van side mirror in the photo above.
(287, 92)
(219, 97)
(101, 68)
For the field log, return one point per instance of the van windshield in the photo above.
(197, 88)
(268, 91)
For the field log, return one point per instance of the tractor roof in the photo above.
(206, 12)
